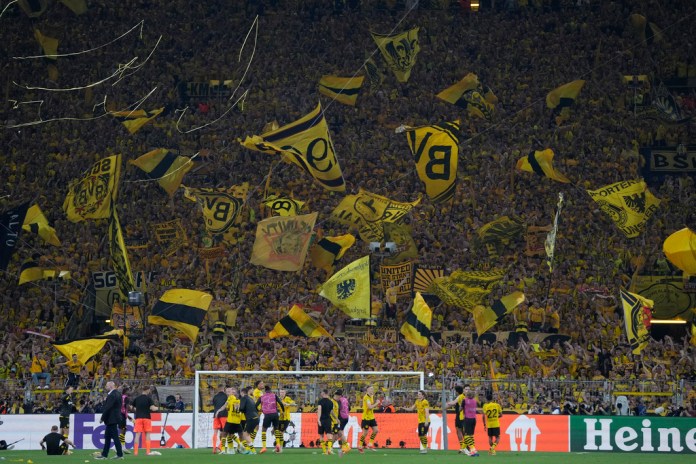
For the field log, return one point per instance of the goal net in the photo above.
(304, 387)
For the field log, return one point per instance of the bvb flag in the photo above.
(306, 143)
(135, 119)
(282, 242)
(298, 324)
(181, 309)
(471, 95)
(485, 318)
(342, 89)
(10, 229)
(119, 256)
(48, 44)
(220, 206)
(169, 169)
(416, 329)
(628, 203)
(436, 152)
(36, 222)
(349, 289)
(399, 51)
(550, 244)
(637, 317)
(84, 348)
(680, 249)
(541, 163)
(327, 251)
(283, 206)
(91, 196)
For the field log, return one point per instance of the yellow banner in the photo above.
(471, 95)
(282, 242)
(401, 275)
(342, 89)
(629, 204)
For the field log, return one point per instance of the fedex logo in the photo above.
(88, 433)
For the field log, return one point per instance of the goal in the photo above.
(304, 387)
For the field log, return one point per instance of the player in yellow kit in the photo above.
(232, 430)
(258, 391)
(368, 420)
(491, 421)
(422, 406)
(285, 413)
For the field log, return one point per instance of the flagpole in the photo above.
(552, 247)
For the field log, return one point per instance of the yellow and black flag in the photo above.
(471, 95)
(48, 44)
(541, 163)
(181, 309)
(221, 207)
(485, 318)
(374, 75)
(637, 317)
(327, 251)
(167, 168)
(628, 203)
(297, 324)
(349, 289)
(283, 206)
(119, 256)
(645, 31)
(135, 119)
(416, 329)
(436, 152)
(342, 89)
(84, 348)
(399, 51)
(36, 222)
(562, 98)
(306, 143)
(91, 196)
(31, 271)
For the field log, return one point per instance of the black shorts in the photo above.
(231, 428)
(271, 420)
(124, 422)
(283, 425)
(494, 431)
(423, 428)
(458, 423)
(251, 425)
(342, 423)
(535, 326)
(368, 423)
(325, 426)
(469, 426)
(335, 428)
(64, 422)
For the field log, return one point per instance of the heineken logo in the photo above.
(633, 434)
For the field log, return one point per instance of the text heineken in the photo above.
(633, 434)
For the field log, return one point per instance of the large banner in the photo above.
(206, 90)
(668, 294)
(401, 275)
(107, 292)
(670, 160)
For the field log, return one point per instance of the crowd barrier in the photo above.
(519, 433)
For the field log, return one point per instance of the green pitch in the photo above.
(386, 456)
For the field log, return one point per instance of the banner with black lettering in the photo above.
(90, 196)
(401, 236)
(119, 255)
(399, 51)
(400, 274)
(107, 292)
(628, 203)
(670, 160)
(171, 235)
(369, 212)
(220, 206)
(436, 152)
(307, 144)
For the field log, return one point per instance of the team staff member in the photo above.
(143, 406)
(491, 420)
(368, 420)
(422, 406)
(270, 404)
(55, 444)
(326, 425)
(470, 422)
(247, 406)
(219, 419)
(111, 416)
(343, 417)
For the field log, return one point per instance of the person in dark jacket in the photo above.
(111, 417)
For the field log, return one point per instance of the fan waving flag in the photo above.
(84, 348)
(349, 289)
(416, 329)
(167, 168)
(298, 324)
(181, 309)
(637, 317)
(342, 89)
(541, 163)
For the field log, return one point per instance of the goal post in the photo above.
(304, 388)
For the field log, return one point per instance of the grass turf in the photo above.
(382, 456)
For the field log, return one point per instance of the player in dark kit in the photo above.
(67, 405)
(123, 425)
(220, 419)
(143, 406)
(247, 406)
(55, 444)
(324, 412)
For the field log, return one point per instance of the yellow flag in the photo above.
(628, 203)
(220, 206)
(298, 324)
(400, 235)
(680, 249)
(342, 89)
(541, 163)
(328, 250)
(368, 212)
(119, 256)
(471, 95)
(637, 317)
(564, 95)
(30, 272)
(36, 222)
(349, 289)
(90, 196)
(181, 309)
(48, 44)
(134, 120)
(399, 51)
(306, 143)
(436, 152)
(416, 329)
(283, 206)
(84, 348)
(169, 169)
(485, 318)
(282, 242)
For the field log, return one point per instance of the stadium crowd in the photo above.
(521, 51)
